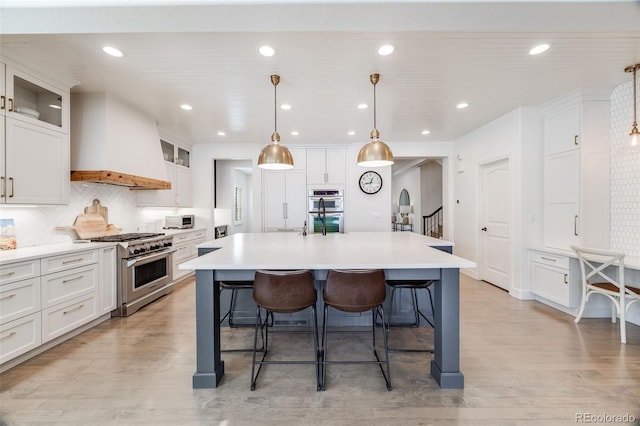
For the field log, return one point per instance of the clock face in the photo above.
(370, 182)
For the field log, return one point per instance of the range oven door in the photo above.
(145, 275)
(334, 221)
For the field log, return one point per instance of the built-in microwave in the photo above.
(183, 221)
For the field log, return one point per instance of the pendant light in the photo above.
(375, 153)
(275, 156)
(635, 134)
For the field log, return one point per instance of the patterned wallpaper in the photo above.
(36, 225)
(625, 174)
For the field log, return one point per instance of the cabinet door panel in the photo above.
(561, 225)
(274, 199)
(551, 283)
(336, 165)
(37, 164)
(562, 177)
(107, 280)
(562, 130)
(296, 199)
(183, 187)
(316, 165)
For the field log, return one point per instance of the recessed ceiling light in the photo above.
(294, 133)
(186, 107)
(363, 106)
(267, 51)
(351, 133)
(462, 105)
(539, 49)
(386, 49)
(221, 133)
(285, 106)
(425, 132)
(112, 51)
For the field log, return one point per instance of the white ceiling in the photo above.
(205, 54)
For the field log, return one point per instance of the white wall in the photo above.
(511, 136)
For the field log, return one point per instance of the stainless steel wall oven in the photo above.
(326, 211)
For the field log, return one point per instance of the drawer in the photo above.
(19, 271)
(19, 336)
(182, 251)
(199, 235)
(65, 317)
(65, 285)
(67, 261)
(181, 238)
(19, 299)
(550, 259)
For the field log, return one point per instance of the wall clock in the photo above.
(370, 182)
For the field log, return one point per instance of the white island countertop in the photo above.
(354, 250)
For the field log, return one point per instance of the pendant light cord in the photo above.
(374, 107)
(275, 108)
(635, 120)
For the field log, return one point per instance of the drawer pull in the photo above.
(72, 279)
(548, 258)
(74, 309)
(8, 274)
(565, 278)
(6, 336)
(8, 297)
(66, 262)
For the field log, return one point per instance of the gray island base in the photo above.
(402, 255)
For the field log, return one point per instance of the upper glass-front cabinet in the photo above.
(29, 99)
(175, 154)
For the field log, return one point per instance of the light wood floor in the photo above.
(524, 364)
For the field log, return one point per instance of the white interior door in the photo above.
(495, 223)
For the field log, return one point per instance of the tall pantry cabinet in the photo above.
(34, 139)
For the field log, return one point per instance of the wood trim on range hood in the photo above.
(120, 179)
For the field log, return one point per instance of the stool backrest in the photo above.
(284, 291)
(355, 290)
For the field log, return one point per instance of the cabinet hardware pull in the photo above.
(284, 210)
(11, 182)
(3, 102)
(2, 183)
(565, 278)
(13, 333)
(74, 309)
(72, 279)
(548, 258)
(10, 104)
(8, 296)
(8, 274)
(65, 262)
(326, 177)
(575, 140)
(575, 225)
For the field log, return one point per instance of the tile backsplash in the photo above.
(625, 174)
(36, 225)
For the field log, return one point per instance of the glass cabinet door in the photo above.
(29, 99)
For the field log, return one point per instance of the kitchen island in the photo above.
(403, 255)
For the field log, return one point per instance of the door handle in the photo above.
(575, 225)
(484, 229)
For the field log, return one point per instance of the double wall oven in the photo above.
(145, 269)
(326, 210)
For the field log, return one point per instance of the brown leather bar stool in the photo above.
(283, 292)
(356, 291)
(413, 286)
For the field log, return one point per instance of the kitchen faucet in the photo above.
(322, 213)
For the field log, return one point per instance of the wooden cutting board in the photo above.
(97, 208)
(91, 225)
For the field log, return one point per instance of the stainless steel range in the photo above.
(145, 268)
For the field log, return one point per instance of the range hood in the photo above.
(114, 143)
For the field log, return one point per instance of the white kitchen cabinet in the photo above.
(326, 166)
(177, 163)
(553, 279)
(576, 170)
(184, 242)
(284, 200)
(34, 163)
(46, 298)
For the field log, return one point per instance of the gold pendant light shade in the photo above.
(375, 153)
(275, 156)
(635, 134)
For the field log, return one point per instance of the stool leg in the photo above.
(232, 306)
(323, 351)
(414, 300)
(315, 347)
